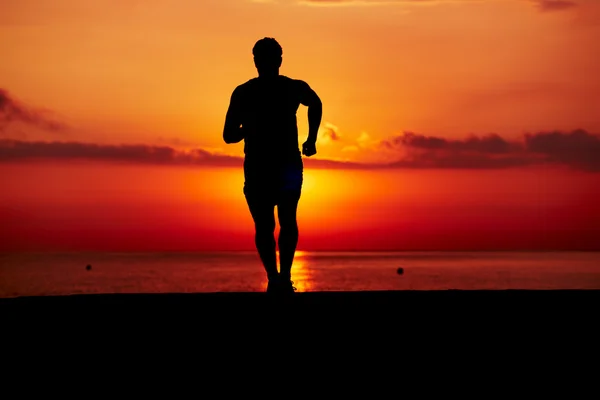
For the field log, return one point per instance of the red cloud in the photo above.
(16, 150)
(554, 5)
(12, 110)
(578, 149)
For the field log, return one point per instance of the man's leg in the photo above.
(263, 214)
(288, 234)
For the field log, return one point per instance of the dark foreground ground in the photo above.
(444, 311)
(521, 343)
(500, 334)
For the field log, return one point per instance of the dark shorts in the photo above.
(270, 186)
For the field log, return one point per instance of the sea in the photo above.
(45, 274)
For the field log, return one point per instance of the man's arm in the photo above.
(232, 132)
(309, 98)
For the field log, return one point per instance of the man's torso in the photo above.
(268, 109)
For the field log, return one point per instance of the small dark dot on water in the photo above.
(88, 267)
(400, 271)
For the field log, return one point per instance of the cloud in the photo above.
(12, 110)
(488, 144)
(350, 148)
(374, 2)
(379, 1)
(577, 150)
(13, 150)
(542, 5)
(318, 163)
(328, 133)
(30, 151)
(365, 141)
(554, 5)
(175, 141)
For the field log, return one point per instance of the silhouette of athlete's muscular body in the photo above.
(262, 112)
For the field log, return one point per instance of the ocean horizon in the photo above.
(66, 273)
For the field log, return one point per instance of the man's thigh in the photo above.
(261, 204)
(287, 206)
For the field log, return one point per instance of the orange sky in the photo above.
(160, 73)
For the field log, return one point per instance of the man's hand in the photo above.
(309, 148)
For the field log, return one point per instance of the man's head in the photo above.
(267, 56)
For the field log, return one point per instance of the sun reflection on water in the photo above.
(301, 273)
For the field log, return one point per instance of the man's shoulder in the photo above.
(293, 81)
(241, 87)
(251, 85)
(296, 84)
(244, 86)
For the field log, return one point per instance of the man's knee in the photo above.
(264, 227)
(288, 224)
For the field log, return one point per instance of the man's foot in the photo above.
(280, 285)
(287, 286)
(273, 286)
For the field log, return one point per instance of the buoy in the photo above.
(400, 271)
(88, 267)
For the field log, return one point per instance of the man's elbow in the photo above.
(316, 104)
(227, 136)
(231, 136)
(228, 139)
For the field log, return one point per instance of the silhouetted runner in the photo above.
(262, 112)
